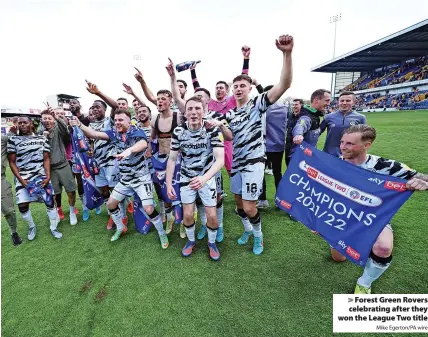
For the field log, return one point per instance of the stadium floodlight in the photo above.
(334, 19)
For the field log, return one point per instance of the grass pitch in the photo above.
(84, 285)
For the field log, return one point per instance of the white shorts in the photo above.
(108, 176)
(249, 184)
(208, 194)
(144, 192)
(22, 195)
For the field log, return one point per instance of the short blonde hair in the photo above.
(367, 132)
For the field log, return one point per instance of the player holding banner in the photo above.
(202, 153)
(135, 177)
(355, 143)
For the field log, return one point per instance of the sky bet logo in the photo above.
(285, 204)
(353, 253)
(349, 250)
(308, 152)
(392, 185)
(376, 180)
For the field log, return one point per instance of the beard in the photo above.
(144, 120)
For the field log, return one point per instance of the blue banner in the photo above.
(347, 205)
(141, 220)
(92, 194)
(159, 164)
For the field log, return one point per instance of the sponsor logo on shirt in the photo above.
(239, 121)
(195, 146)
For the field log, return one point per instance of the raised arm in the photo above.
(147, 92)
(93, 89)
(246, 51)
(257, 85)
(129, 91)
(285, 44)
(195, 81)
(181, 103)
(90, 133)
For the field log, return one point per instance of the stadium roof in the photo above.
(66, 96)
(406, 44)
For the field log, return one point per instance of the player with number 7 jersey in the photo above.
(202, 153)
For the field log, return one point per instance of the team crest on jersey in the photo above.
(352, 123)
(184, 136)
(203, 133)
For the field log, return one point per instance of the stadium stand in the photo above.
(408, 71)
(388, 74)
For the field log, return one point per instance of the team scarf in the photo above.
(159, 164)
(92, 194)
(34, 188)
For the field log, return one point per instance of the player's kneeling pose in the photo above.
(202, 154)
(355, 143)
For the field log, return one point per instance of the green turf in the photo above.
(84, 285)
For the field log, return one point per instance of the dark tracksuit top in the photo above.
(336, 123)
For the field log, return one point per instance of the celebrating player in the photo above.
(135, 177)
(202, 154)
(103, 155)
(60, 174)
(28, 156)
(162, 127)
(222, 102)
(205, 96)
(144, 117)
(355, 143)
(245, 122)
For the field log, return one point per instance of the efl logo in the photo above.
(285, 204)
(354, 194)
(391, 185)
(312, 173)
(352, 253)
(307, 151)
